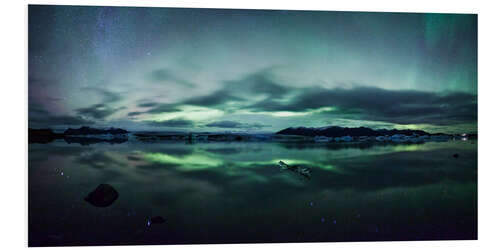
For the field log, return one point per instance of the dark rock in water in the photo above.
(157, 220)
(455, 155)
(104, 195)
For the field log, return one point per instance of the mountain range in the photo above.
(336, 131)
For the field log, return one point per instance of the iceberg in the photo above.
(306, 172)
(322, 139)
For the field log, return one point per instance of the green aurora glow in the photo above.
(250, 70)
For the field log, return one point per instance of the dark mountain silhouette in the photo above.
(336, 131)
(83, 135)
(42, 135)
(84, 130)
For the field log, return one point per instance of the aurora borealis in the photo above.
(250, 70)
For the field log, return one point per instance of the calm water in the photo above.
(236, 192)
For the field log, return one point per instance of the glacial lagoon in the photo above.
(235, 192)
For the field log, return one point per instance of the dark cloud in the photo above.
(258, 83)
(147, 104)
(107, 95)
(155, 108)
(97, 111)
(110, 96)
(37, 110)
(224, 124)
(163, 108)
(165, 75)
(134, 113)
(54, 120)
(233, 124)
(38, 117)
(261, 82)
(360, 103)
(217, 98)
(176, 123)
(369, 103)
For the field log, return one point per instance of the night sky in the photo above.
(245, 70)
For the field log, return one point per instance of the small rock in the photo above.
(157, 220)
(104, 195)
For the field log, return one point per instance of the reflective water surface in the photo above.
(237, 192)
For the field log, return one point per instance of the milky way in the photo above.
(249, 70)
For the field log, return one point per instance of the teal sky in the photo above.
(249, 70)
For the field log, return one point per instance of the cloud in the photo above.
(147, 104)
(110, 96)
(234, 92)
(217, 98)
(39, 117)
(233, 124)
(172, 123)
(134, 113)
(155, 108)
(36, 110)
(163, 108)
(97, 111)
(165, 75)
(261, 82)
(258, 83)
(107, 95)
(55, 120)
(376, 104)
(359, 103)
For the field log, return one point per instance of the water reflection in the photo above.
(236, 192)
(103, 196)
